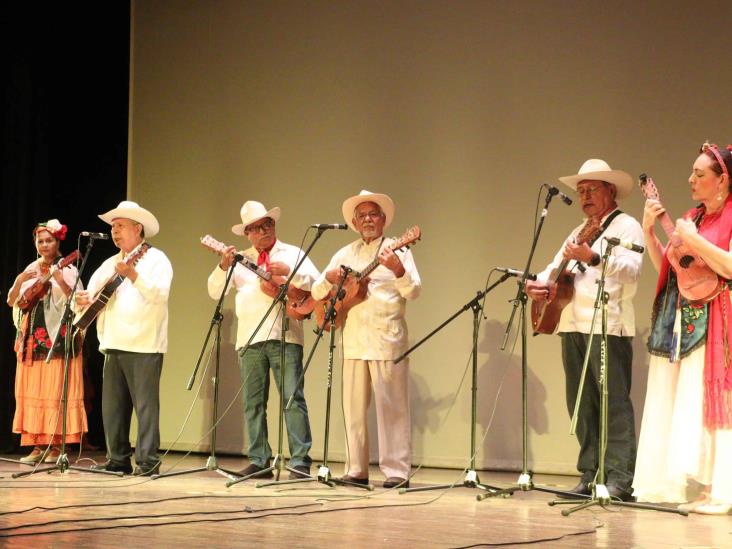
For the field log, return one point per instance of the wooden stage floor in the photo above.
(77, 509)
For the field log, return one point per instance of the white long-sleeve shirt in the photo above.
(621, 281)
(252, 303)
(136, 316)
(375, 329)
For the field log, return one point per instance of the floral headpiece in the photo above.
(54, 227)
(712, 148)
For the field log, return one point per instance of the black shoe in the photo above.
(300, 471)
(254, 471)
(113, 467)
(582, 489)
(616, 492)
(146, 470)
(393, 482)
(354, 480)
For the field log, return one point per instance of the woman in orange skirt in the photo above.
(37, 317)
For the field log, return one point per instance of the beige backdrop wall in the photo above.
(458, 110)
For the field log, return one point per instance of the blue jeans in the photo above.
(254, 366)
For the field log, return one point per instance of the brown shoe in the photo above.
(393, 482)
(254, 471)
(300, 471)
(354, 480)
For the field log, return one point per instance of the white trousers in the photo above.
(390, 384)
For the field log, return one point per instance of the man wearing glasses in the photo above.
(374, 334)
(259, 226)
(598, 187)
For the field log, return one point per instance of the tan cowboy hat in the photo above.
(132, 210)
(599, 170)
(251, 212)
(382, 200)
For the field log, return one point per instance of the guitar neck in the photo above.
(668, 228)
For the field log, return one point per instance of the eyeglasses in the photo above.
(373, 215)
(589, 191)
(264, 226)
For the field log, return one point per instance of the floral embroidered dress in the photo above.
(38, 385)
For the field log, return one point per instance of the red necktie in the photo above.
(263, 259)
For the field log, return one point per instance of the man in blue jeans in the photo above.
(271, 255)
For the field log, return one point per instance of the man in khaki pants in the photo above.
(374, 334)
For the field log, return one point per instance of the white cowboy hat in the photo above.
(251, 212)
(599, 170)
(382, 200)
(133, 211)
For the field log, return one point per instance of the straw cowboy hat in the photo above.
(251, 212)
(382, 200)
(599, 170)
(132, 210)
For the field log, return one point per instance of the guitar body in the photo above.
(355, 292)
(545, 315)
(104, 294)
(300, 303)
(40, 287)
(697, 282)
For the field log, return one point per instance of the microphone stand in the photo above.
(62, 463)
(600, 495)
(281, 299)
(216, 319)
(524, 482)
(324, 474)
(471, 478)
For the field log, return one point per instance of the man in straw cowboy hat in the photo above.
(598, 188)
(133, 335)
(258, 224)
(374, 334)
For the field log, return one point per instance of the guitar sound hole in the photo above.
(686, 261)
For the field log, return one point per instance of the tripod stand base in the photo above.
(211, 465)
(601, 496)
(62, 466)
(471, 481)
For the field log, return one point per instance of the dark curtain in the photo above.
(63, 150)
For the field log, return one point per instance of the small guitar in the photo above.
(85, 317)
(355, 288)
(545, 314)
(697, 282)
(299, 302)
(38, 289)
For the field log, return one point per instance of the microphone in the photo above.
(324, 226)
(554, 191)
(99, 236)
(249, 264)
(514, 272)
(625, 244)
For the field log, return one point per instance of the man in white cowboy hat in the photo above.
(598, 188)
(133, 335)
(258, 225)
(374, 334)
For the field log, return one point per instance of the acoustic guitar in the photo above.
(299, 302)
(696, 280)
(545, 314)
(87, 315)
(38, 289)
(355, 287)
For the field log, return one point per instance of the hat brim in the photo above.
(274, 213)
(139, 215)
(382, 200)
(622, 180)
